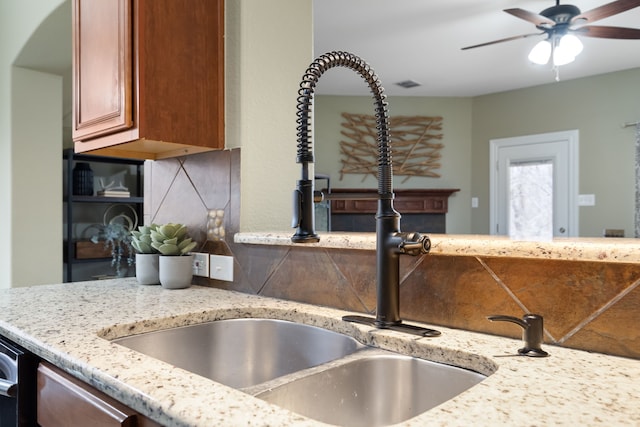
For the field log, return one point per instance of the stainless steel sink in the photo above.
(243, 352)
(362, 386)
(373, 391)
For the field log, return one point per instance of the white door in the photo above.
(534, 185)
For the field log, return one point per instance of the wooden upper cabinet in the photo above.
(102, 82)
(148, 77)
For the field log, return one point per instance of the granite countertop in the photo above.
(70, 325)
(570, 249)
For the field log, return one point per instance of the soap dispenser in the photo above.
(532, 335)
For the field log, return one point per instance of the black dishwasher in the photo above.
(17, 385)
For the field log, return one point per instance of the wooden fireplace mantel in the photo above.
(419, 201)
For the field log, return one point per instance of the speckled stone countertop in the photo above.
(570, 249)
(71, 324)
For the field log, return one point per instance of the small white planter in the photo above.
(176, 272)
(147, 266)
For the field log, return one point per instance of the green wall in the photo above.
(30, 151)
(596, 106)
(261, 83)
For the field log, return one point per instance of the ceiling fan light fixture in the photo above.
(572, 44)
(540, 53)
(560, 58)
(567, 49)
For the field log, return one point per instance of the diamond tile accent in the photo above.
(615, 330)
(359, 269)
(259, 263)
(458, 292)
(209, 173)
(184, 189)
(308, 275)
(564, 292)
(183, 204)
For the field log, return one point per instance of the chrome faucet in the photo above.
(390, 241)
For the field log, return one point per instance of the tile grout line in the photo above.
(598, 312)
(349, 282)
(273, 271)
(413, 268)
(509, 292)
(153, 215)
(193, 184)
(502, 285)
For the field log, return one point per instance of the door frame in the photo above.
(572, 137)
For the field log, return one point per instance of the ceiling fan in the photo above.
(562, 23)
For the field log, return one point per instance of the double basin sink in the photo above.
(321, 374)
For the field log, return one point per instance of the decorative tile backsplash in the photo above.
(586, 305)
(185, 189)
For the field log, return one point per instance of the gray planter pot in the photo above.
(176, 272)
(147, 266)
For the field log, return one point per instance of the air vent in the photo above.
(407, 84)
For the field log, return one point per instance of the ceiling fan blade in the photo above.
(522, 36)
(608, 32)
(605, 11)
(534, 18)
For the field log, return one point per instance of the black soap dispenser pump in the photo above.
(532, 335)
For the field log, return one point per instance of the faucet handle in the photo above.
(532, 335)
(415, 244)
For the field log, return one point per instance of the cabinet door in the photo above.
(102, 69)
(64, 401)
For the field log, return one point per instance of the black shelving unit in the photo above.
(71, 202)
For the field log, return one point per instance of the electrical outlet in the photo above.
(200, 264)
(586, 199)
(221, 267)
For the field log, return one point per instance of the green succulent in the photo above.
(141, 239)
(171, 239)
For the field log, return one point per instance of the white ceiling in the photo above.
(421, 40)
(413, 39)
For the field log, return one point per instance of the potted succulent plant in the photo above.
(116, 236)
(173, 243)
(147, 264)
